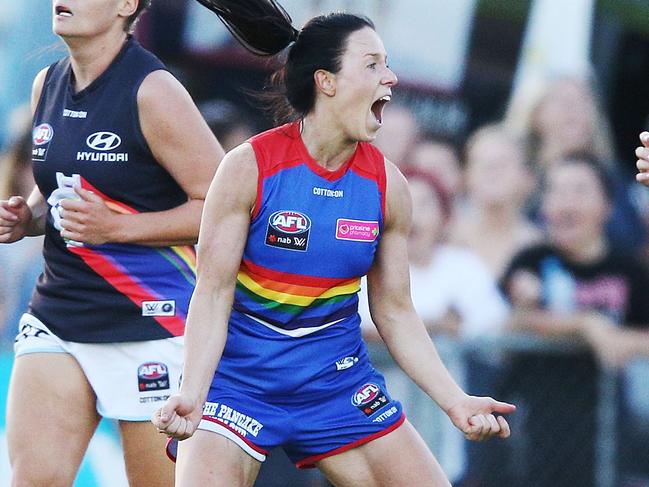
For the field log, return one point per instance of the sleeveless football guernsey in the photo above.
(110, 292)
(313, 235)
(295, 371)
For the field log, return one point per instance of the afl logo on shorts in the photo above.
(369, 399)
(103, 141)
(288, 230)
(365, 394)
(42, 134)
(152, 376)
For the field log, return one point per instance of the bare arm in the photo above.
(183, 144)
(524, 290)
(403, 331)
(223, 234)
(614, 345)
(391, 307)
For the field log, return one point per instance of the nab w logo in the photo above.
(159, 308)
(103, 141)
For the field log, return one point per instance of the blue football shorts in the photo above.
(315, 396)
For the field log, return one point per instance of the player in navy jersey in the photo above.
(122, 160)
(304, 210)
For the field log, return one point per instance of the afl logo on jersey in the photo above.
(288, 230)
(42, 134)
(369, 399)
(290, 222)
(41, 137)
(103, 141)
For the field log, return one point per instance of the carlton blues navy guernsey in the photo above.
(295, 371)
(110, 292)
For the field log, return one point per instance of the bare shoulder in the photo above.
(159, 89)
(237, 175)
(37, 87)
(241, 162)
(175, 131)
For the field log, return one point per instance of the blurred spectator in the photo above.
(453, 292)
(578, 288)
(498, 183)
(491, 222)
(440, 158)
(399, 133)
(229, 123)
(21, 262)
(447, 282)
(563, 117)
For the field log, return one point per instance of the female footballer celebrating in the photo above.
(304, 210)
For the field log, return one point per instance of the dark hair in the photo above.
(265, 28)
(142, 5)
(603, 175)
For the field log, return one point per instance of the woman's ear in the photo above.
(325, 82)
(128, 8)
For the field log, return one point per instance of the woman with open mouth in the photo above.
(294, 217)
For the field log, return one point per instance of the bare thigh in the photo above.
(147, 464)
(398, 459)
(210, 460)
(51, 417)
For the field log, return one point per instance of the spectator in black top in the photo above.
(577, 288)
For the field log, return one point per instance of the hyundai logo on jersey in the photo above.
(288, 230)
(103, 141)
(41, 137)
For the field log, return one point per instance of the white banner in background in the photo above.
(427, 40)
(557, 41)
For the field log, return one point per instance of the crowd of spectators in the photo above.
(528, 254)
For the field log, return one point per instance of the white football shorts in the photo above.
(131, 380)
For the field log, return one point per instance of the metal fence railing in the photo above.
(572, 427)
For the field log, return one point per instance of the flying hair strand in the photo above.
(263, 27)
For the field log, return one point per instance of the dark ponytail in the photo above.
(261, 26)
(264, 27)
